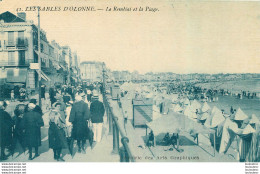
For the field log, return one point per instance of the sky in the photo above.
(182, 37)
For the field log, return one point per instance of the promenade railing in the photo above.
(118, 133)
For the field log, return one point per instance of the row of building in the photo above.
(19, 48)
(122, 76)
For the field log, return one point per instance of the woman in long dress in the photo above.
(57, 138)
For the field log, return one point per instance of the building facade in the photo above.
(19, 48)
(92, 71)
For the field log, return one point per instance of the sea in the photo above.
(252, 85)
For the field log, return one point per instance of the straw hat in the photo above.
(78, 98)
(31, 105)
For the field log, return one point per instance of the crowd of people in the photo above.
(74, 114)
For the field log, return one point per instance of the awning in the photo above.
(62, 67)
(45, 77)
(16, 75)
(74, 78)
(57, 67)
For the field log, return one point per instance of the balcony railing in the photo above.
(16, 63)
(15, 44)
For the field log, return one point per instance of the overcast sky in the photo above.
(183, 37)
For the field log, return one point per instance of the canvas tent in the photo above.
(240, 115)
(215, 109)
(178, 108)
(195, 105)
(204, 116)
(254, 120)
(215, 119)
(186, 102)
(205, 107)
(248, 129)
(188, 112)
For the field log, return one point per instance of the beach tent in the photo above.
(174, 98)
(168, 123)
(182, 100)
(149, 95)
(178, 108)
(215, 119)
(188, 112)
(254, 120)
(157, 99)
(215, 109)
(195, 105)
(248, 129)
(186, 102)
(205, 116)
(240, 115)
(205, 107)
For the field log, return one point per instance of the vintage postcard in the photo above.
(129, 81)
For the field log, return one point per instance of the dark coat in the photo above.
(97, 111)
(18, 131)
(6, 124)
(52, 94)
(43, 92)
(32, 123)
(36, 109)
(57, 138)
(78, 117)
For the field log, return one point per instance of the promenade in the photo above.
(103, 151)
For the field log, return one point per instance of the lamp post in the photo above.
(39, 58)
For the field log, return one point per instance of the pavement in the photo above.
(102, 151)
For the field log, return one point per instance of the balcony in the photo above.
(20, 63)
(18, 44)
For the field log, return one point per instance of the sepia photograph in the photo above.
(129, 81)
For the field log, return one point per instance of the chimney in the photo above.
(22, 15)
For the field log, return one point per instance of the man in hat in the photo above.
(97, 111)
(37, 107)
(6, 124)
(32, 123)
(79, 117)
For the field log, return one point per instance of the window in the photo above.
(20, 37)
(42, 48)
(21, 57)
(11, 38)
(11, 60)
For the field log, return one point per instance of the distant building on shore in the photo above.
(92, 71)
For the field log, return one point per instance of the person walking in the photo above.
(18, 129)
(37, 107)
(6, 124)
(57, 139)
(32, 123)
(52, 94)
(69, 126)
(79, 117)
(97, 111)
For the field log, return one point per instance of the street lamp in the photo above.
(39, 57)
